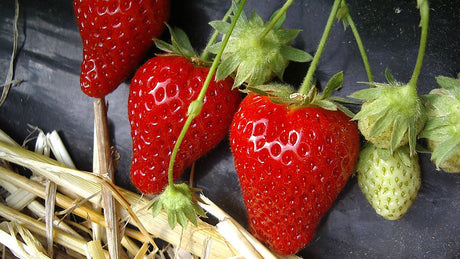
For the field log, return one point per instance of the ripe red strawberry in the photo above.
(160, 94)
(116, 36)
(292, 162)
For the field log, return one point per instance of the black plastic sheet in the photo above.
(50, 98)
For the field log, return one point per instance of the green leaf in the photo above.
(381, 123)
(412, 136)
(400, 126)
(334, 83)
(390, 78)
(156, 207)
(181, 42)
(326, 104)
(214, 48)
(256, 20)
(280, 22)
(344, 109)
(445, 150)
(285, 36)
(164, 46)
(182, 219)
(244, 72)
(172, 219)
(450, 84)
(276, 66)
(227, 67)
(220, 26)
(294, 54)
(342, 14)
(274, 89)
(367, 94)
(343, 100)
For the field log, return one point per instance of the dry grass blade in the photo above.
(104, 167)
(17, 247)
(60, 237)
(86, 184)
(94, 250)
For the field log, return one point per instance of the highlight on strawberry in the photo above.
(116, 36)
(442, 130)
(293, 152)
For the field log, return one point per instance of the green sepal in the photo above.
(445, 150)
(334, 84)
(367, 93)
(280, 22)
(294, 54)
(180, 43)
(180, 203)
(227, 67)
(389, 77)
(220, 26)
(450, 84)
(343, 13)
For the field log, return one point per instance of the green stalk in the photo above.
(195, 107)
(212, 40)
(424, 17)
(362, 50)
(307, 83)
(275, 19)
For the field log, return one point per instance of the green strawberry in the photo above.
(390, 181)
(256, 50)
(442, 129)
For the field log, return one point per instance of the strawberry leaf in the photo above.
(450, 84)
(445, 150)
(294, 54)
(227, 67)
(389, 77)
(280, 22)
(220, 26)
(334, 83)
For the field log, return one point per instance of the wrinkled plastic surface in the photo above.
(50, 98)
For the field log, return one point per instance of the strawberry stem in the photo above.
(195, 106)
(275, 19)
(424, 17)
(307, 83)
(360, 44)
(212, 40)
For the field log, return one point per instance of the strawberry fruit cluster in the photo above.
(294, 151)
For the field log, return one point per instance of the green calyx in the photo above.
(392, 115)
(180, 203)
(180, 44)
(442, 129)
(255, 52)
(285, 94)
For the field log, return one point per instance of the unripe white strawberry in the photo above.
(442, 129)
(390, 181)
